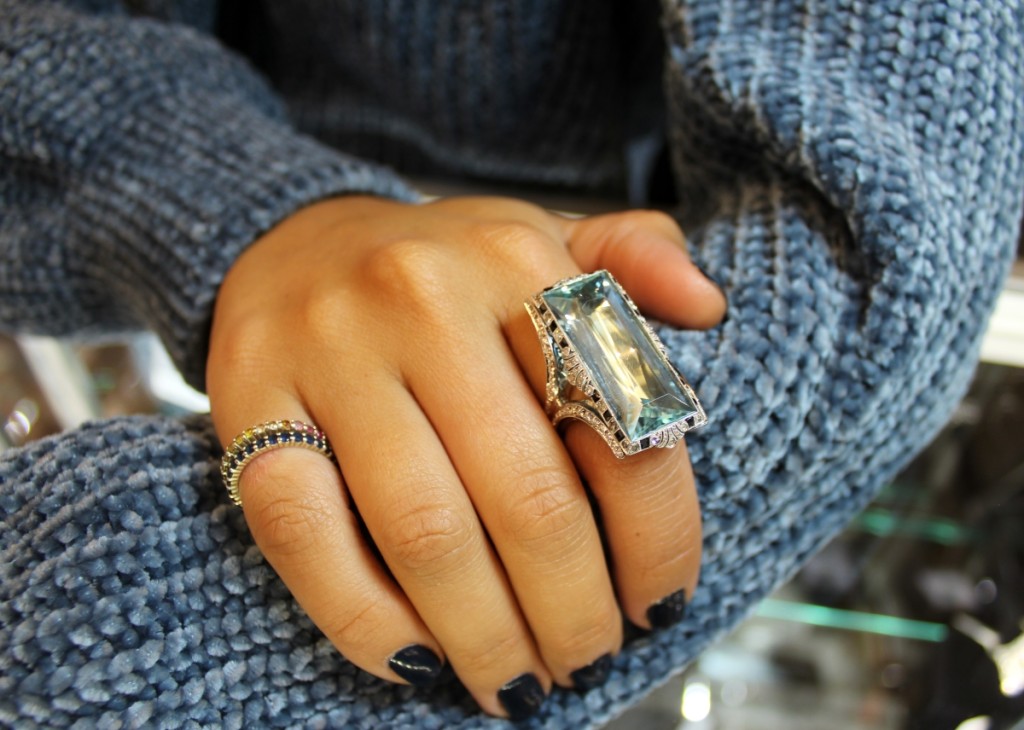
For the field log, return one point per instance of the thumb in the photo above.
(646, 252)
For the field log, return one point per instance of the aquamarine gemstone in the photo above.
(634, 378)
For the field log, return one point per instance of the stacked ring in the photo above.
(266, 437)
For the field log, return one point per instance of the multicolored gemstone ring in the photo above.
(266, 437)
(608, 368)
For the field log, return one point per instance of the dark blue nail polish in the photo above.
(417, 665)
(447, 674)
(668, 611)
(593, 674)
(521, 697)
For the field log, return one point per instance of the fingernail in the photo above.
(593, 674)
(668, 611)
(447, 674)
(417, 665)
(521, 697)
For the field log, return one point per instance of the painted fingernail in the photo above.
(668, 611)
(417, 665)
(447, 674)
(521, 697)
(593, 674)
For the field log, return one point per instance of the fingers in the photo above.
(533, 506)
(651, 518)
(646, 252)
(298, 512)
(427, 530)
(647, 501)
(470, 496)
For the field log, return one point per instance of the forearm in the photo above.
(140, 158)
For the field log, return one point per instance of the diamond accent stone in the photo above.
(622, 359)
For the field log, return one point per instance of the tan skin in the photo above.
(400, 330)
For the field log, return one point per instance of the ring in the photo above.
(607, 367)
(266, 437)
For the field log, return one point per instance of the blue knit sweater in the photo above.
(850, 171)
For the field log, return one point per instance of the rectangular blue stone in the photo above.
(636, 381)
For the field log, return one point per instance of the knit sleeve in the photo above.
(139, 157)
(852, 174)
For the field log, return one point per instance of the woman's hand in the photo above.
(400, 331)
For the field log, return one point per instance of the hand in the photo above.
(400, 331)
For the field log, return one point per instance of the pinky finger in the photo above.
(298, 512)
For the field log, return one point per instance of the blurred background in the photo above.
(910, 619)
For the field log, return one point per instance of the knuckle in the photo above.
(510, 233)
(671, 557)
(587, 631)
(637, 220)
(485, 658)
(317, 316)
(548, 513)
(428, 540)
(416, 276)
(357, 628)
(517, 245)
(409, 267)
(286, 526)
(243, 344)
(656, 218)
(323, 310)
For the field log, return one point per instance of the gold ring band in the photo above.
(266, 437)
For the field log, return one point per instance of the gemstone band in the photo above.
(608, 368)
(266, 437)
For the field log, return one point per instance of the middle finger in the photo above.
(647, 502)
(525, 489)
(425, 527)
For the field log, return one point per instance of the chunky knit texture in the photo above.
(850, 172)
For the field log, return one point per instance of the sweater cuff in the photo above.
(184, 185)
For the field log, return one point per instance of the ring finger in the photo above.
(426, 528)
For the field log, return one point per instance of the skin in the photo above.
(400, 331)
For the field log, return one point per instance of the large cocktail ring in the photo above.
(607, 367)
